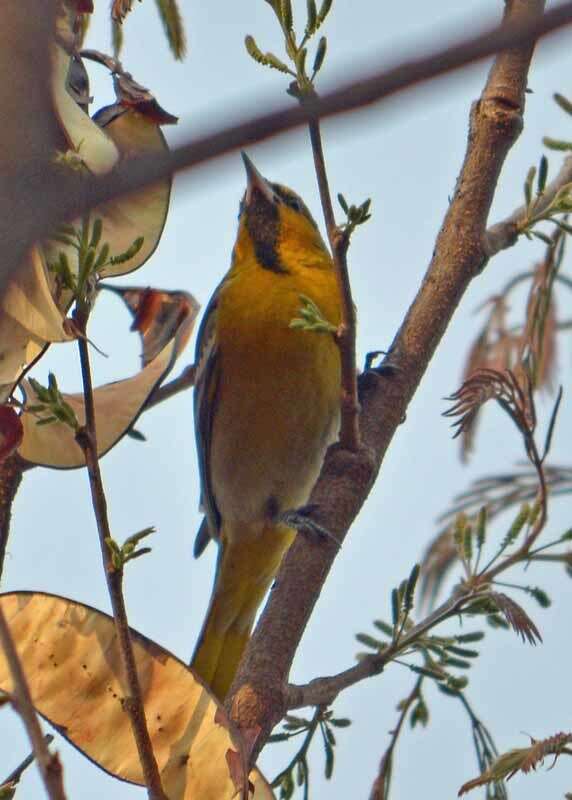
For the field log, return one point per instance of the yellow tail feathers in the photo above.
(248, 561)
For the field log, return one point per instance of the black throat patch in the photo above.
(262, 224)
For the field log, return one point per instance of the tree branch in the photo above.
(65, 196)
(323, 691)
(49, 765)
(257, 697)
(505, 233)
(346, 335)
(16, 774)
(380, 787)
(133, 703)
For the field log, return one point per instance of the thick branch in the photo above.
(64, 196)
(257, 696)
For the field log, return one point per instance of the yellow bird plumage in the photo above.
(266, 408)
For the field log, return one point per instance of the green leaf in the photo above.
(266, 59)
(395, 607)
(516, 528)
(543, 237)
(419, 715)
(96, 231)
(563, 225)
(539, 595)
(410, 589)
(528, 187)
(341, 722)
(461, 651)
(556, 144)
(301, 61)
(286, 15)
(563, 102)
(324, 11)
(318, 61)
(173, 26)
(384, 627)
(312, 13)
(329, 766)
(370, 641)
(428, 673)
(458, 663)
(542, 175)
(278, 737)
(481, 527)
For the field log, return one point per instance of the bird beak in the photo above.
(256, 182)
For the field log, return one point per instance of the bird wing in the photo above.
(206, 388)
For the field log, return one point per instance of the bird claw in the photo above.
(300, 520)
(387, 368)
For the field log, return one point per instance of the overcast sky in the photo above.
(405, 155)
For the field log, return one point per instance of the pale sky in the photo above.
(405, 155)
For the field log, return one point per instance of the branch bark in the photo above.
(64, 196)
(133, 702)
(346, 334)
(257, 698)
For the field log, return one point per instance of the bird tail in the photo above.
(247, 564)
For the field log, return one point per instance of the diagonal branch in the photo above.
(256, 699)
(64, 196)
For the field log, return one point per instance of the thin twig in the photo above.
(49, 765)
(346, 334)
(505, 233)
(133, 703)
(379, 788)
(323, 691)
(16, 774)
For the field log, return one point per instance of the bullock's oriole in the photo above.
(266, 408)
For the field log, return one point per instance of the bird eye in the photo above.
(294, 203)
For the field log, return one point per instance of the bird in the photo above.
(266, 408)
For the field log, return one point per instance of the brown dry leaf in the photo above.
(516, 617)
(70, 655)
(142, 213)
(439, 557)
(156, 314)
(117, 406)
(97, 151)
(523, 759)
(120, 9)
(29, 320)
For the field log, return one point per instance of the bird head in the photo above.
(278, 225)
